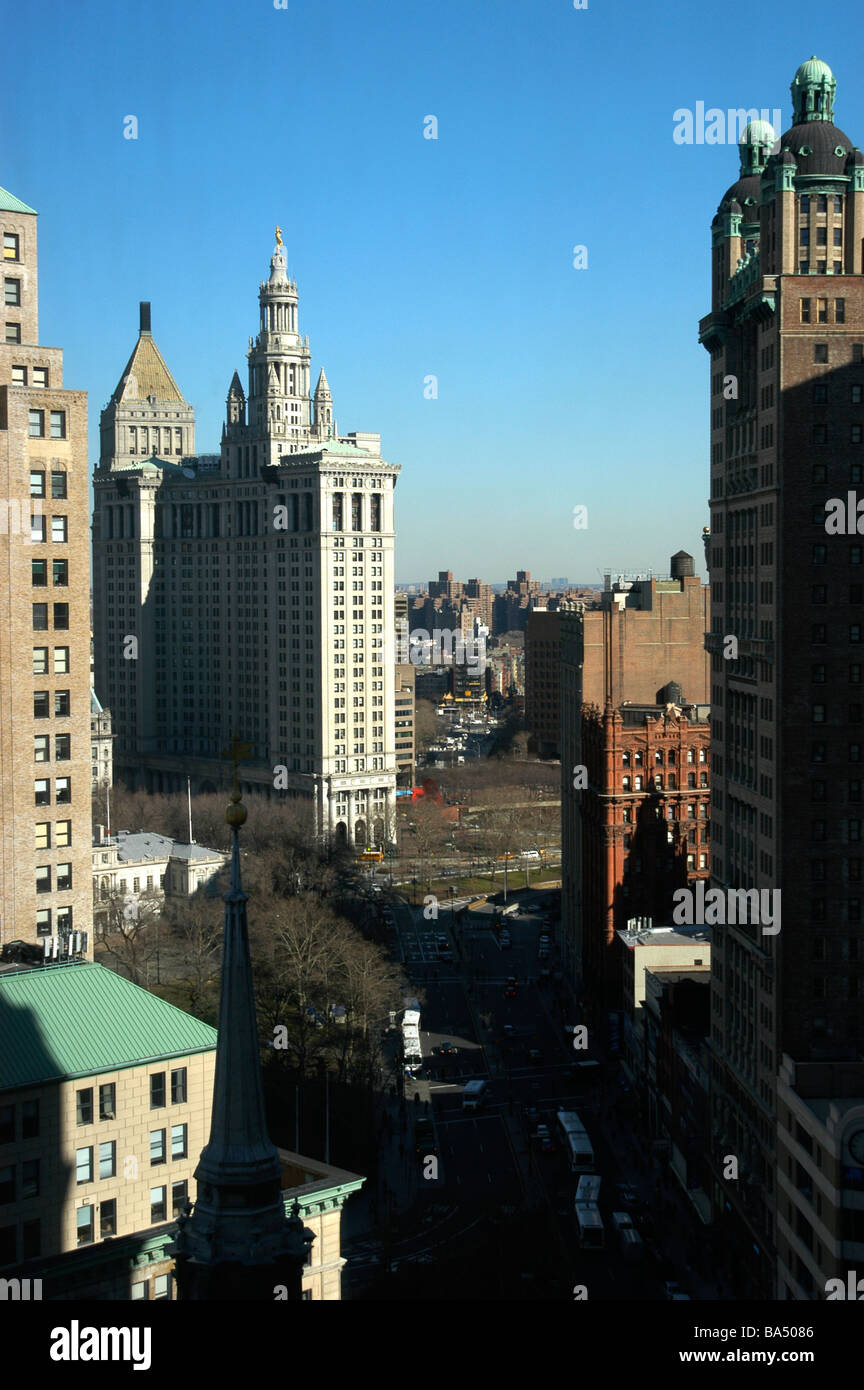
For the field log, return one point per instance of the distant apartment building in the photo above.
(511, 609)
(543, 681)
(643, 635)
(256, 586)
(404, 714)
(785, 334)
(44, 616)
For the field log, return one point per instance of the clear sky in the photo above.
(452, 257)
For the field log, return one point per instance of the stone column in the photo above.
(352, 818)
(390, 815)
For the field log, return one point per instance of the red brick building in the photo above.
(645, 821)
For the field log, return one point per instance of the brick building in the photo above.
(645, 822)
(643, 635)
(44, 616)
(543, 681)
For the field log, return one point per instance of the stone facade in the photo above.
(44, 616)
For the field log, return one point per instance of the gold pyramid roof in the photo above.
(146, 374)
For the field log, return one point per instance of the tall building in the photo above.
(271, 565)
(786, 339)
(643, 635)
(44, 616)
(406, 679)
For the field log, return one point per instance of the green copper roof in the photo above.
(814, 70)
(64, 1021)
(9, 203)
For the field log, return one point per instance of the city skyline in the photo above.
(404, 248)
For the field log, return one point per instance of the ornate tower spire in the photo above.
(813, 88)
(279, 403)
(323, 407)
(238, 1243)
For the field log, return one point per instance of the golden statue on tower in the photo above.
(278, 236)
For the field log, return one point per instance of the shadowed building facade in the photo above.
(786, 340)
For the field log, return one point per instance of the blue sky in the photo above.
(557, 387)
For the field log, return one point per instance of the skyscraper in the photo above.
(46, 877)
(786, 338)
(271, 565)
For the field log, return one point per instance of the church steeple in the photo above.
(279, 404)
(238, 1243)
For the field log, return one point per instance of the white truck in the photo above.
(473, 1095)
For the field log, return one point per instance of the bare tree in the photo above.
(127, 933)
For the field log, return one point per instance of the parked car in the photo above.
(446, 1049)
(510, 987)
(544, 1139)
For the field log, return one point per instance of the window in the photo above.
(820, 352)
(31, 1239)
(59, 529)
(43, 921)
(42, 792)
(61, 662)
(39, 572)
(108, 1218)
(805, 310)
(839, 304)
(58, 485)
(12, 292)
(62, 748)
(30, 1178)
(7, 1184)
(30, 1119)
(157, 1147)
(107, 1101)
(39, 376)
(36, 419)
(60, 572)
(84, 1106)
(58, 424)
(61, 703)
(7, 1124)
(63, 791)
(157, 1090)
(43, 878)
(178, 1086)
(61, 617)
(11, 250)
(13, 332)
(179, 1196)
(141, 1292)
(178, 1141)
(64, 878)
(83, 1165)
(63, 834)
(157, 1205)
(37, 484)
(84, 1223)
(41, 748)
(40, 617)
(107, 1159)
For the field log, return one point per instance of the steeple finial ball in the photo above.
(235, 815)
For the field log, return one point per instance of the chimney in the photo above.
(144, 316)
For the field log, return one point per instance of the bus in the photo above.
(592, 1235)
(577, 1145)
(371, 856)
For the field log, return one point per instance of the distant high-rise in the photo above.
(45, 869)
(250, 591)
(786, 338)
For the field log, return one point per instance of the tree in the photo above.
(127, 935)
(425, 727)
